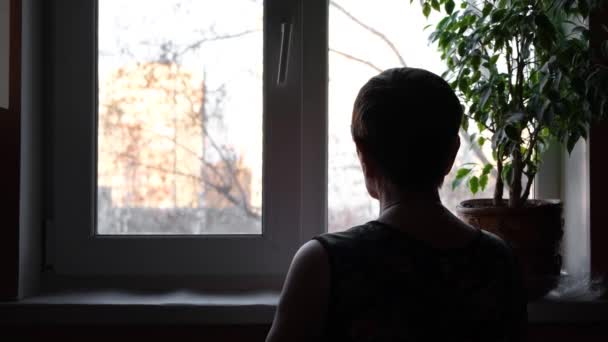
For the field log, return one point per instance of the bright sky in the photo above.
(403, 24)
(143, 25)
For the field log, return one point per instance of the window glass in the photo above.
(179, 117)
(366, 37)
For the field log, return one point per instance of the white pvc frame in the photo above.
(295, 157)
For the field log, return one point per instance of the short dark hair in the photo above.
(407, 119)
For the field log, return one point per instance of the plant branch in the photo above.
(490, 129)
(515, 200)
(532, 146)
(526, 194)
(510, 71)
(499, 188)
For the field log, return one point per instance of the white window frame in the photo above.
(295, 157)
(294, 167)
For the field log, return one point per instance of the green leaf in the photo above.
(435, 5)
(463, 85)
(583, 7)
(543, 22)
(462, 48)
(449, 6)
(483, 182)
(512, 133)
(545, 132)
(456, 183)
(465, 123)
(463, 172)
(544, 80)
(573, 138)
(515, 118)
(484, 97)
(487, 169)
(498, 15)
(476, 76)
(442, 24)
(541, 112)
(474, 184)
(481, 141)
(494, 59)
(486, 9)
(605, 49)
(545, 31)
(476, 61)
(426, 9)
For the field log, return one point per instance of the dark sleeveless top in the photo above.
(388, 286)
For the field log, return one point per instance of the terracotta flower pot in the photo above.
(534, 231)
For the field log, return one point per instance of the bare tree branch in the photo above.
(356, 59)
(232, 172)
(372, 30)
(229, 165)
(478, 152)
(222, 189)
(200, 42)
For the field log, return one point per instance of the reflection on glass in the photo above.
(366, 37)
(180, 117)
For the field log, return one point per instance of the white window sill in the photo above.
(186, 307)
(116, 307)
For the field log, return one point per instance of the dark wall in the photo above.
(598, 163)
(10, 130)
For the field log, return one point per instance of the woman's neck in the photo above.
(392, 198)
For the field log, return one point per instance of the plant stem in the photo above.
(526, 194)
(500, 186)
(532, 145)
(515, 199)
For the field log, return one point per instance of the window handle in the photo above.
(284, 52)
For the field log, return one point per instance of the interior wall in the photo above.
(598, 161)
(4, 51)
(30, 206)
(10, 142)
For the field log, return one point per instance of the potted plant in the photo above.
(525, 73)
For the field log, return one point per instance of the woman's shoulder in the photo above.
(346, 238)
(492, 243)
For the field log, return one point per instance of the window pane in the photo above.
(180, 117)
(364, 38)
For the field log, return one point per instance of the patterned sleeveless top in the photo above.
(388, 286)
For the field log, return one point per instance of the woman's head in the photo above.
(405, 124)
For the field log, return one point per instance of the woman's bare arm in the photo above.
(302, 308)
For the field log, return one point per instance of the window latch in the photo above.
(284, 52)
